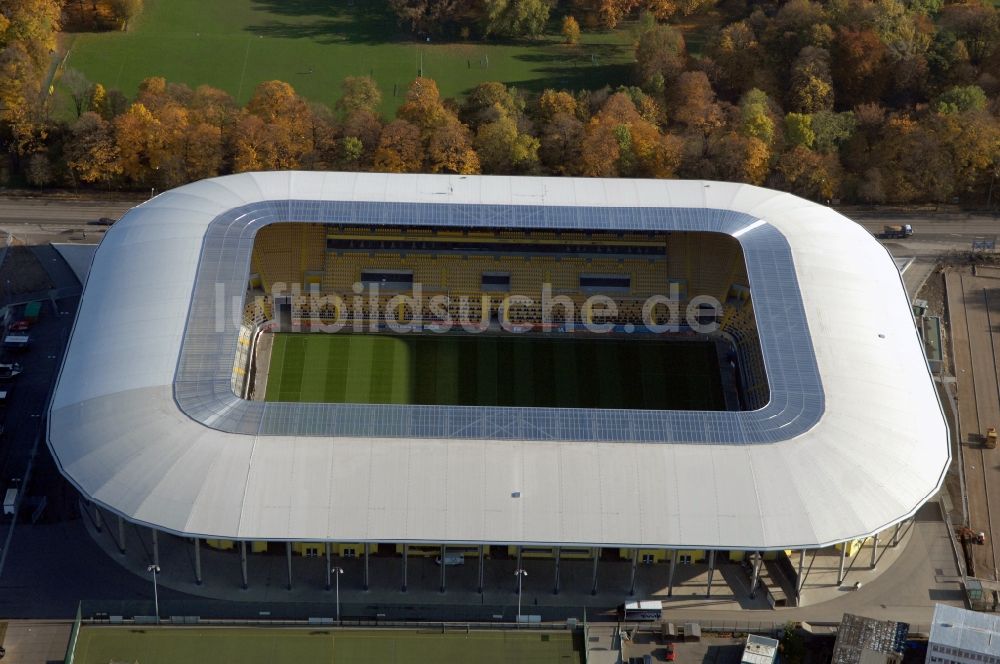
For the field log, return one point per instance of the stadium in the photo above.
(429, 365)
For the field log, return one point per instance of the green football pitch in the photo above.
(314, 44)
(166, 645)
(479, 370)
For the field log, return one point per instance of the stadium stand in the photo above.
(318, 262)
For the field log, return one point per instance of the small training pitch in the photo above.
(314, 44)
(169, 645)
(480, 370)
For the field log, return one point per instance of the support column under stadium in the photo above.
(895, 535)
(329, 565)
(156, 548)
(635, 565)
(800, 580)
(98, 524)
(444, 566)
(480, 569)
(558, 555)
(597, 557)
(243, 564)
(121, 535)
(874, 550)
(711, 572)
(406, 552)
(520, 555)
(197, 561)
(843, 559)
(756, 560)
(368, 549)
(288, 559)
(670, 575)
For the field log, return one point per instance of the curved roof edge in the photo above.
(878, 451)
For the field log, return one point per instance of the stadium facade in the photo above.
(149, 422)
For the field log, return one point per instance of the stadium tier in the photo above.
(250, 364)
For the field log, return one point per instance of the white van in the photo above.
(9, 501)
(451, 559)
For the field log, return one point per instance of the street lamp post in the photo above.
(337, 571)
(156, 598)
(520, 573)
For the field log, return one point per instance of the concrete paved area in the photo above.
(974, 314)
(36, 642)
(906, 582)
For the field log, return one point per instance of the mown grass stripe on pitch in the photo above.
(511, 371)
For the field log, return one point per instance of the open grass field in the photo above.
(166, 645)
(314, 44)
(478, 370)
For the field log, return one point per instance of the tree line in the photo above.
(864, 100)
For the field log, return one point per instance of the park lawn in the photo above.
(167, 645)
(314, 44)
(481, 370)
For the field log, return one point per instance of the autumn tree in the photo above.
(212, 106)
(400, 149)
(618, 142)
(694, 103)
(125, 10)
(203, 152)
(434, 16)
(359, 93)
(449, 149)
(861, 69)
(808, 174)
(570, 30)
(423, 107)
(913, 163)
(660, 57)
(286, 133)
(139, 143)
(360, 133)
(739, 158)
(811, 87)
(504, 149)
(738, 58)
(38, 170)
(91, 152)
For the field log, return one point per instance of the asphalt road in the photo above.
(44, 213)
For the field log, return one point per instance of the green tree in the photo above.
(832, 130)
(515, 18)
(961, 98)
(798, 129)
(487, 102)
(755, 116)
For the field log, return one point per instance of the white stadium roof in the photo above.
(144, 422)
